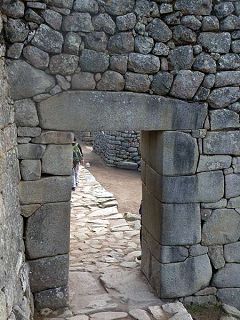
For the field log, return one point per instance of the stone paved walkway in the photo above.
(105, 278)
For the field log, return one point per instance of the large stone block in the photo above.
(79, 22)
(122, 42)
(48, 231)
(210, 163)
(30, 169)
(223, 97)
(93, 61)
(57, 160)
(30, 151)
(230, 296)
(64, 64)
(119, 111)
(25, 113)
(50, 189)
(232, 252)
(26, 81)
(215, 42)
(48, 39)
(221, 227)
(222, 143)
(53, 299)
(200, 7)
(224, 118)
(49, 273)
(143, 63)
(227, 277)
(54, 137)
(184, 278)
(232, 185)
(119, 7)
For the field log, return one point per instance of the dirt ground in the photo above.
(124, 184)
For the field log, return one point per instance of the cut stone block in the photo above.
(232, 252)
(227, 277)
(232, 185)
(210, 163)
(30, 169)
(30, 151)
(53, 299)
(57, 160)
(222, 143)
(25, 113)
(221, 119)
(54, 137)
(230, 296)
(29, 131)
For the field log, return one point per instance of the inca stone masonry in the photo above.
(168, 68)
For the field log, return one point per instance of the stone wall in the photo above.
(185, 50)
(119, 149)
(15, 295)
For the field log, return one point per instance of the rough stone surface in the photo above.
(25, 113)
(222, 143)
(54, 137)
(216, 256)
(57, 298)
(201, 7)
(83, 81)
(143, 63)
(57, 160)
(30, 151)
(63, 64)
(92, 61)
(232, 252)
(122, 42)
(209, 163)
(227, 276)
(229, 296)
(111, 81)
(159, 31)
(119, 7)
(137, 82)
(48, 39)
(215, 42)
(77, 22)
(30, 169)
(162, 83)
(224, 118)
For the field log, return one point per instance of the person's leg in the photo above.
(77, 173)
(73, 179)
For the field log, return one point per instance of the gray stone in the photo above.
(55, 90)
(13, 9)
(119, 7)
(186, 84)
(53, 18)
(137, 82)
(229, 296)
(29, 131)
(227, 78)
(36, 57)
(122, 42)
(205, 63)
(231, 311)
(143, 44)
(61, 3)
(50, 189)
(21, 78)
(234, 203)
(161, 49)
(181, 57)
(191, 22)
(229, 61)
(139, 314)
(216, 256)
(230, 23)
(215, 42)
(126, 22)
(54, 137)
(127, 165)
(232, 252)
(236, 46)
(221, 227)
(63, 82)
(119, 63)
(30, 169)
(209, 163)
(223, 97)
(227, 276)
(29, 209)
(103, 22)
(177, 278)
(222, 143)
(90, 6)
(64, 64)
(197, 250)
(111, 81)
(83, 81)
(207, 291)
(93, 61)
(57, 160)
(224, 118)
(77, 21)
(15, 50)
(223, 9)
(77, 109)
(49, 224)
(72, 43)
(16, 30)
(201, 7)
(202, 94)
(96, 41)
(210, 23)
(173, 254)
(159, 31)
(52, 299)
(232, 185)
(235, 107)
(143, 63)
(209, 81)
(184, 35)
(48, 273)
(48, 39)
(162, 83)
(30, 151)
(25, 113)
(33, 17)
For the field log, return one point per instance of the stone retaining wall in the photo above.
(119, 149)
(186, 50)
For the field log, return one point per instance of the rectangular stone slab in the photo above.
(93, 111)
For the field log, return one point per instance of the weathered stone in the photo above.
(157, 312)
(186, 84)
(159, 31)
(29, 131)
(230, 23)
(50, 189)
(162, 83)
(210, 23)
(52, 299)
(77, 21)
(64, 64)
(197, 250)
(72, 43)
(235, 107)
(236, 46)
(221, 227)
(173, 254)
(234, 203)
(127, 165)
(229, 61)
(33, 17)
(25, 113)
(119, 63)
(227, 78)
(83, 81)
(143, 44)
(143, 63)
(93, 61)
(229, 296)
(16, 30)
(49, 224)
(232, 185)
(137, 82)
(48, 39)
(161, 49)
(103, 22)
(15, 50)
(191, 22)
(184, 278)
(53, 18)
(119, 7)
(48, 273)
(90, 6)
(222, 143)
(201, 7)
(231, 310)
(13, 9)
(216, 256)
(205, 63)
(232, 252)
(36, 57)
(184, 35)
(224, 118)
(223, 9)
(55, 90)
(77, 109)
(111, 81)
(126, 22)
(108, 315)
(122, 42)
(96, 41)
(57, 160)
(209, 81)
(209, 163)
(223, 97)
(21, 77)
(227, 276)
(63, 82)
(215, 42)
(28, 209)
(30, 151)
(139, 314)
(54, 137)
(61, 3)
(30, 169)
(181, 57)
